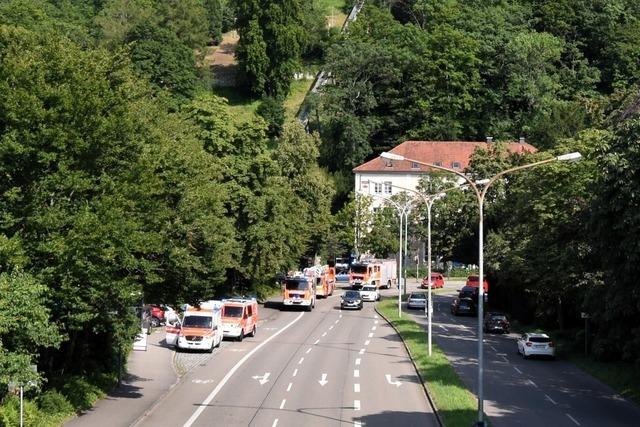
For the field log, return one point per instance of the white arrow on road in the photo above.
(323, 381)
(262, 379)
(395, 383)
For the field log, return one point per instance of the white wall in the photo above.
(406, 180)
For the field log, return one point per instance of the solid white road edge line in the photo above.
(233, 370)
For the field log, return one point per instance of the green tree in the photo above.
(118, 18)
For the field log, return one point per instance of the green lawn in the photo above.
(624, 378)
(242, 107)
(333, 6)
(299, 89)
(455, 404)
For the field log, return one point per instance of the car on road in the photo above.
(369, 293)
(474, 282)
(536, 344)
(437, 281)
(417, 300)
(461, 306)
(351, 299)
(496, 321)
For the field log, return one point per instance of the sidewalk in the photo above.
(150, 375)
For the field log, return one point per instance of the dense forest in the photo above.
(125, 178)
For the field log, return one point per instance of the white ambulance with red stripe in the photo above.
(200, 328)
(240, 317)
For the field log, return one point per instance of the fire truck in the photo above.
(378, 273)
(299, 290)
(324, 278)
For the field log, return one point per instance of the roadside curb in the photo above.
(424, 385)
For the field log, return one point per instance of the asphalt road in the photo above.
(518, 392)
(324, 368)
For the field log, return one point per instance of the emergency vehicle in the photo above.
(324, 278)
(365, 274)
(201, 327)
(299, 290)
(239, 318)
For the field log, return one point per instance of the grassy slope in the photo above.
(456, 405)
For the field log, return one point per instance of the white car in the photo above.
(369, 293)
(530, 344)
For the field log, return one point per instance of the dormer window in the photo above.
(438, 163)
(388, 163)
(455, 165)
(415, 165)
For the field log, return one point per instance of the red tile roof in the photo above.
(444, 153)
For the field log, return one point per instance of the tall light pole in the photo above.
(403, 212)
(480, 194)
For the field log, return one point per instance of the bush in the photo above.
(52, 402)
(83, 393)
(10, 413)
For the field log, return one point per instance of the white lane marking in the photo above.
(357, 424)
(550, 399)
(323, 380)
(317, 341)
(375, 316)
(340, 315)
(444, 328)
(356, 405)
(308, 350)
(289, 387)
(233, 370)
(573, 419)
(331, 327)
(533, 384)
(301, 360)
(337, 320)
(505, 358)
(356, 373)
(493, 348)
(263, 379)
(324, 334)
(375, 321)
(395, 383)
(361, 351)
(367, 342)
(373, 328)
(295, 372)
(501, 354)
(371, 335)
(275, 423)
(358, 361)
(283, 402)
(519, 371)
(356, 388)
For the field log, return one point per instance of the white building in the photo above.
(384, 174)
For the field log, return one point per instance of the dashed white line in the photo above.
(493, 348)
(361, 351)
(317, 341)
(275, 423)
(367, 342)
(331, 327)
(301, 360)
(340, 315)
(573, 419)
(373, 328)
(358, 360)
(295, 372)
(283, 402)
(337, 320)
(356, 388)
(550, 399)
(444, 328)
(324, 334)
(519, 371)
(533, 384)
(371, 335)
(356, 373)
(357, 424)
(356, 405)
(375, 321)
(375, 316)
(309, 350)
(505, 358)
(289, 387)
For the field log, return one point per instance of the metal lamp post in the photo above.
(480, 194)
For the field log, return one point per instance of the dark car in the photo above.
(351, 299)
(496, 322)
(463, 306)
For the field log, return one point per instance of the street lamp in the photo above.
(480, 194)
(403, 212)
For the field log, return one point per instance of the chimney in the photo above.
(489, 139)
(521, 140)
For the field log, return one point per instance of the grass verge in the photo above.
(454, 403)
(624, 378)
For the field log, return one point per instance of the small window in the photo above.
(388, 163)
(387, 187)
(438, 163)
(415, 165)
(377, 188)
(455, 165)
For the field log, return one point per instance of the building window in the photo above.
(414, 165)
(388, 163)
(438, 163)
(377, 188)
(455, 165)
(387, 187)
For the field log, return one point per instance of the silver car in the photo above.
(369, 293)
(417, 300)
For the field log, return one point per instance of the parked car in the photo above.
(369, 293)
(495, 321)
(532, 344)
(474, 282)
(351, 299)
(437, 281)
(417, 300)
(463, 306)
(154, 315)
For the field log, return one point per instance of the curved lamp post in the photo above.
(480, 194)
(403, 212)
